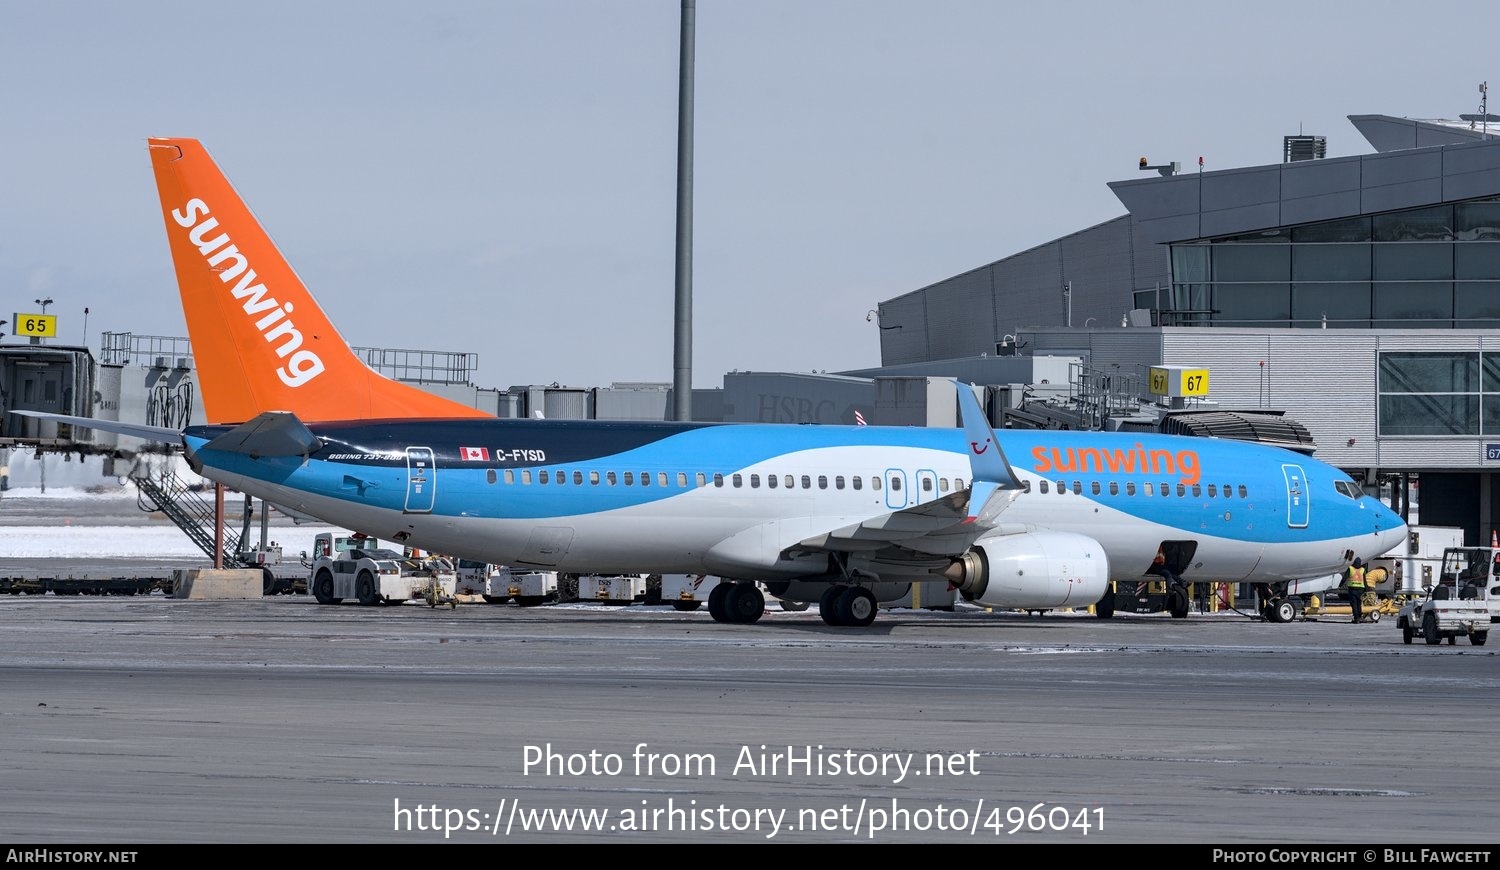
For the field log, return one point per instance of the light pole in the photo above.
(36, 340)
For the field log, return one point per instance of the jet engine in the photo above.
(1032, 571)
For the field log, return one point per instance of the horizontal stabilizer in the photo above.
(160, 434)
(274, 433)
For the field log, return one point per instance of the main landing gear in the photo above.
(852, 606)
(741, 603)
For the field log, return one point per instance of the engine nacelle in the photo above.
(1034, 570)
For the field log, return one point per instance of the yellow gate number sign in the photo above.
(1177, 381)
(36, 325)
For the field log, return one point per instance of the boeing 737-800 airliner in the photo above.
(844, 516)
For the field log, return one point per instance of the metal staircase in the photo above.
(185, 506)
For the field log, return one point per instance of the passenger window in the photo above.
(1094, 487)
(610, 477)
(578, 478)
(1077, 488)
(1025, 486)
(593, 478)
(702, 479)
(790, 481)
(755, 481)
(630, 478)
(838, 481)
(958, 483)
(526, 478)
(562, 477)
(875, 483)
(645, 478)
(739, 481)
(806, 482)
(489, 475)
(661, 478)
(1062, 487)
(927, 484)
(1130, 488)
(1042, 487)
(1243, 492)
(719, 479)
(895, 483)
(856, 482)
(510, 476)
(771, 481)
(1150, 489)
(1114, 487)
(1166, 489)
(542, 477)
(1181, 490)
(1197, 491)
(942, 484)
(1213, 491)
(822, 481)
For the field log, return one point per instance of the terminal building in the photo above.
(1344, 306)
(1359, 295)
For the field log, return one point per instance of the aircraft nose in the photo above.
(1390, 529)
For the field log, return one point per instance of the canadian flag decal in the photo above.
(469, 453)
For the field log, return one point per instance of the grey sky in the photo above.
(500, 177)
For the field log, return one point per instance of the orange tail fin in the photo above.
(260, 341)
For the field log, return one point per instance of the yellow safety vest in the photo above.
(1356, 577)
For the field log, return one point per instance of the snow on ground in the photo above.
(131, 542)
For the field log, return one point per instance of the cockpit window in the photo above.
(1348, 488)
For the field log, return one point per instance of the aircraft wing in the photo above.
(942, 527)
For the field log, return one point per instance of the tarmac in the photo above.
(146, 719)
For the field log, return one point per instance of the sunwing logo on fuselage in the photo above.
(1115, 461)
(225, 259)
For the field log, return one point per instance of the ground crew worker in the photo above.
(1356, 583)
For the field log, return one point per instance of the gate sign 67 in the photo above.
(1492, 451)
(36, 325)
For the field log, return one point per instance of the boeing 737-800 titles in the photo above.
(844, 516)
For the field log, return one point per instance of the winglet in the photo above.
(989, 469)
(260, 341)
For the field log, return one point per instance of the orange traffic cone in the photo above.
(1495, 537)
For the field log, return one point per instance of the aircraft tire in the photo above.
(1177, 603)
(745, 603)
(794, 606)
(1285, 610)
(828, 606)
(716, 602)
(857, 607)
(1105, 608)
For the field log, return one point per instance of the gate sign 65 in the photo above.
(36, 325)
